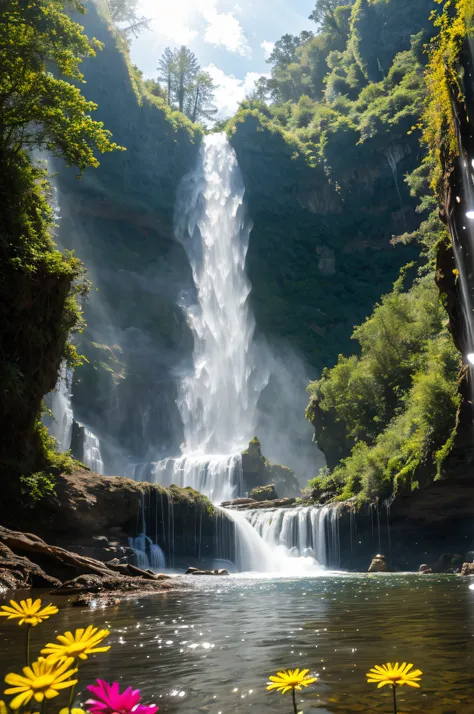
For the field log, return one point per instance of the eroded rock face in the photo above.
(27, 561)
(264, 493)
(258, 471)
(379, 565)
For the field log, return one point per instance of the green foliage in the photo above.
(41, 49)
(453, 22)
(124, 14)
(397, 402)
(39, 109)
(187, 88)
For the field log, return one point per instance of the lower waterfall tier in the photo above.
(220, 478)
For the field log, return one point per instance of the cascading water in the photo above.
(311, 533)
(60, 426)
(218, 400)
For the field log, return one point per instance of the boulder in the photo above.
(425, 569)
(198, 571)
(27, 561)
(467, 569)
(238, 502)
(379, 565)
(264, 493)
(258, 471)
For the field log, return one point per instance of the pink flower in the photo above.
(110, 701)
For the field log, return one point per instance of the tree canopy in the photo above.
(188, 88)
(124, 15)
(41, 107)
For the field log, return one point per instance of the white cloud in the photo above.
(267, 47)
(231, 90)
(223, 28)
(171, 19)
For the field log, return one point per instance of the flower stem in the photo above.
(28, 638)
(293, 691)
(394, 699)
(71, 698)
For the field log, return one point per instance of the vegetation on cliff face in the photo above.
(387, 419)
(45, 111)
(119, 219)
(324, 146)
(391, 411)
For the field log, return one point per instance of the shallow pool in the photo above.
(211, 647)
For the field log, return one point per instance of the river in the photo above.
(211, 646)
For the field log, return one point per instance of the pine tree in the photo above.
(199, 98)
(188, 88)
(125, 11)
(187, 69)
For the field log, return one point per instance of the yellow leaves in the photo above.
(441, 78)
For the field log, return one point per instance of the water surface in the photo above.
(211, 647)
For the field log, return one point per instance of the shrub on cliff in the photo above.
(395, 404)
(41, 49)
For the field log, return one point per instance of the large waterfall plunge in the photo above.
(218, 399)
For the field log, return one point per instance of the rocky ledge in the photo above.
(248, 504)
(27, 561)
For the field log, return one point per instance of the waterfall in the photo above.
(60, 426)
(218, 398)
(309, 533)
(286, 541)
(218, 477)
(91, 452)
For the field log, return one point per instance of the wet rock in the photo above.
(264, 493)
(425, 569)
(467, 569)
(379, 565)
(28, 561)
(258, 471)
(238, 502)
(197, 571)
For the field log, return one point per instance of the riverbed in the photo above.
(210, 647)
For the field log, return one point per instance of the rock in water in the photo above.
(379, 565)
(467, 569)
(198, 571)
(264, 493)
(425, 569)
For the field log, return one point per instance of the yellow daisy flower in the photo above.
(80, 644)
(290, 679)
(3, 707)
(394, 674)
(28, 611)
(74, 710)
(43, 679)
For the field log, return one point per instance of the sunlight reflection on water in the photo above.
(211, 648)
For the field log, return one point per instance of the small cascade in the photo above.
(91, 452)
(302, 532)
(60, 426)
(139, 546)
(261, 548)
(157, 557)
(218, 477)
(148, 555)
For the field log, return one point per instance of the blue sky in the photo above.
(231, 39)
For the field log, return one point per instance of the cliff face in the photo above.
(454, 260)
(320, 254)
(119, 220)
